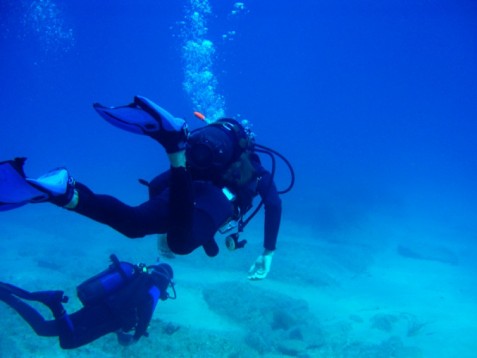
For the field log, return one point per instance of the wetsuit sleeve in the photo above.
(145, 311)
(273, 208)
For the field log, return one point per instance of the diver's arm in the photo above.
(273, 210)
(145, 311)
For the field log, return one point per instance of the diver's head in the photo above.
(217, 145)
(162, 275)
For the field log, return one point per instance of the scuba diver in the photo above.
(120, 299)
(215, 173)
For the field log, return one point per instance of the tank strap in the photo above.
(118, 267)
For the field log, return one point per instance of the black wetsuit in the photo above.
(129, 308)
(189, 211)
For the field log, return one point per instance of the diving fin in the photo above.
(145, 117)
(142, 117)
(129, 118)
(15, 191)
(46, 297)
(14, 290)
(58, 184)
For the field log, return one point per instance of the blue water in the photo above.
(373, 102)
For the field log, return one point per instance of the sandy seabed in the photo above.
(370, 291)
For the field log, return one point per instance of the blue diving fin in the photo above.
(142, 117)
(14, 290)
(46, 297)
(15, 190)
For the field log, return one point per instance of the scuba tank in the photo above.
(100, 286)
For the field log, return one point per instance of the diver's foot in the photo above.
(59, 185)
(174, 141)
(53, 300)
(171, 132)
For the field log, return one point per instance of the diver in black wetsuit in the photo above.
(215, 174)
(120, 299)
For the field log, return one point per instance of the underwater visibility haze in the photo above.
(372, 102)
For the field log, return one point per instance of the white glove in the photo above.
(261, 266)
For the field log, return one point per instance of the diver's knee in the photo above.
(132, 233)
(68, 344)
(133, 236)
(179, 248)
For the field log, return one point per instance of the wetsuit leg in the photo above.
(151, 217)
(181, 206)
(198, 209)
(86, 325)
(172, 213)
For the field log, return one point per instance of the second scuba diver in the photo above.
(120, 300)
